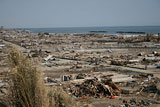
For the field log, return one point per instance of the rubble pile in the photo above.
(81, 63)
(95, 88)
(137, 103)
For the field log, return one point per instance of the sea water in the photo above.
(98, 30)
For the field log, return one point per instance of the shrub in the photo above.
(27, 87)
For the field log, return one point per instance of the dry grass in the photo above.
(27, 85)
(59, 98)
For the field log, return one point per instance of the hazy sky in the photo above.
(79, 13)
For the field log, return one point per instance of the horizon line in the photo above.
(79, 27)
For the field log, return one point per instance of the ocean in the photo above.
(99, 30)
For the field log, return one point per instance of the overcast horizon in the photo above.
(87, 26)
(74, 13)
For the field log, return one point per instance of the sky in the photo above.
(78, 13)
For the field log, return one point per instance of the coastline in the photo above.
(125, 30)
